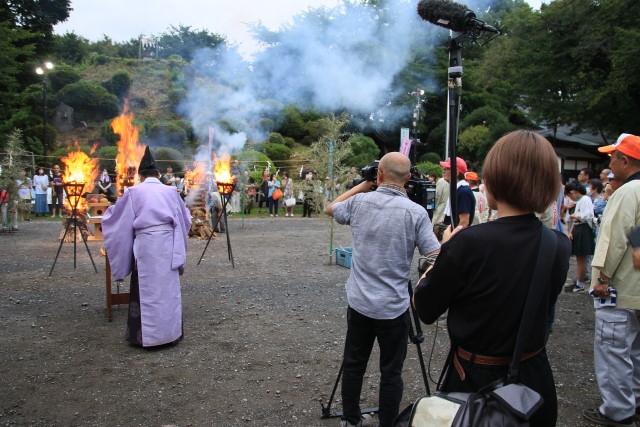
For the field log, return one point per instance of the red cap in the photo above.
(461, 165)
(627, 144)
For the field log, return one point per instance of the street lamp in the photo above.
(42, 71)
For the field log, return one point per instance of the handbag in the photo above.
(504, 402)
(276, 194)
(290, 202)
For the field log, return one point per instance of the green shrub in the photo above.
(289, 142)
(107, 155)
(276, 138)
(363, 151)
(428, 167)
(99, 59)
(131, 62)
(107, 134)
(120, 84)
(89, 101)
(61, 76)
(167, 134)
(166, 156)
(277, 152)
(430, 157)
(253, 161)
(176, 96)
(233, 125)
(266, 125)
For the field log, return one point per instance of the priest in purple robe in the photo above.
(145, 235)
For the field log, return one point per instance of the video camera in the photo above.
(419, 189)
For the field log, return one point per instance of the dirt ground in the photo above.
(262, 344)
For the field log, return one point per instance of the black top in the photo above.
(466, 204)
(482, 277)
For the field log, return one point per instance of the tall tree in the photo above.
(572, 63)
(184, 41)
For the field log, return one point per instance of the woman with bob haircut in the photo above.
(483, 273)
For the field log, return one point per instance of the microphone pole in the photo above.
(455, 89)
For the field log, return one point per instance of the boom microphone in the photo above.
(452, 16)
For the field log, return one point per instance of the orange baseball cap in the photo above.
(471, 176)
(627, 144)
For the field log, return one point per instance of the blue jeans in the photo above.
(392, 335)
(272, 204)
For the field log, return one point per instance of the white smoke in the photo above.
(342, 59)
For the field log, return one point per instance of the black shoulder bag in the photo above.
(504, 402)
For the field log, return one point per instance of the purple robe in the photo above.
(145, 235)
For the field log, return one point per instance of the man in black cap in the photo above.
(145, 235)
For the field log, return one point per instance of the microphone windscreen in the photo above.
(445, 13)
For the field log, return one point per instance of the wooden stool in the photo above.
(113, 299)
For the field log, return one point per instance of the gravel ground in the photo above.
(262, 342)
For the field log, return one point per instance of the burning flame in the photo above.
(222, 169)
(130, 151)
(196, 175)
(80, 169)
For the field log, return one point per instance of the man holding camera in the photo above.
(386, 228)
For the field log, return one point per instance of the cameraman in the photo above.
(386, 227)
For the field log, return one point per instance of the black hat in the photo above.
(147, 162)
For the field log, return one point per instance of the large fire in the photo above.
(80, 169)
(130, 151)
(222, 174)
(222, 169)
(195, 176)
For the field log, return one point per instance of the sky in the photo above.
(122, 20)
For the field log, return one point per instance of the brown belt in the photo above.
(484, 360)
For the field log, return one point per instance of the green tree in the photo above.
(363, 151)
(327, 156)
(90, 101)
(474, 143)
(12, 163)
(569, 63)
(70, 48)
(292, 123)
(16, 51)
(184, 41)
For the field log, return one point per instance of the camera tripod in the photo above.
(415, 336)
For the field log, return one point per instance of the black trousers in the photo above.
(392, 336)
(307, 207)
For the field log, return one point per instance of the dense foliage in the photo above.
(571, 63)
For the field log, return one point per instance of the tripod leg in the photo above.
(84, 239)
(417, 339)
(215, 224)
(75, 239)
(326, 410)
(66, 230)
(229, 251)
